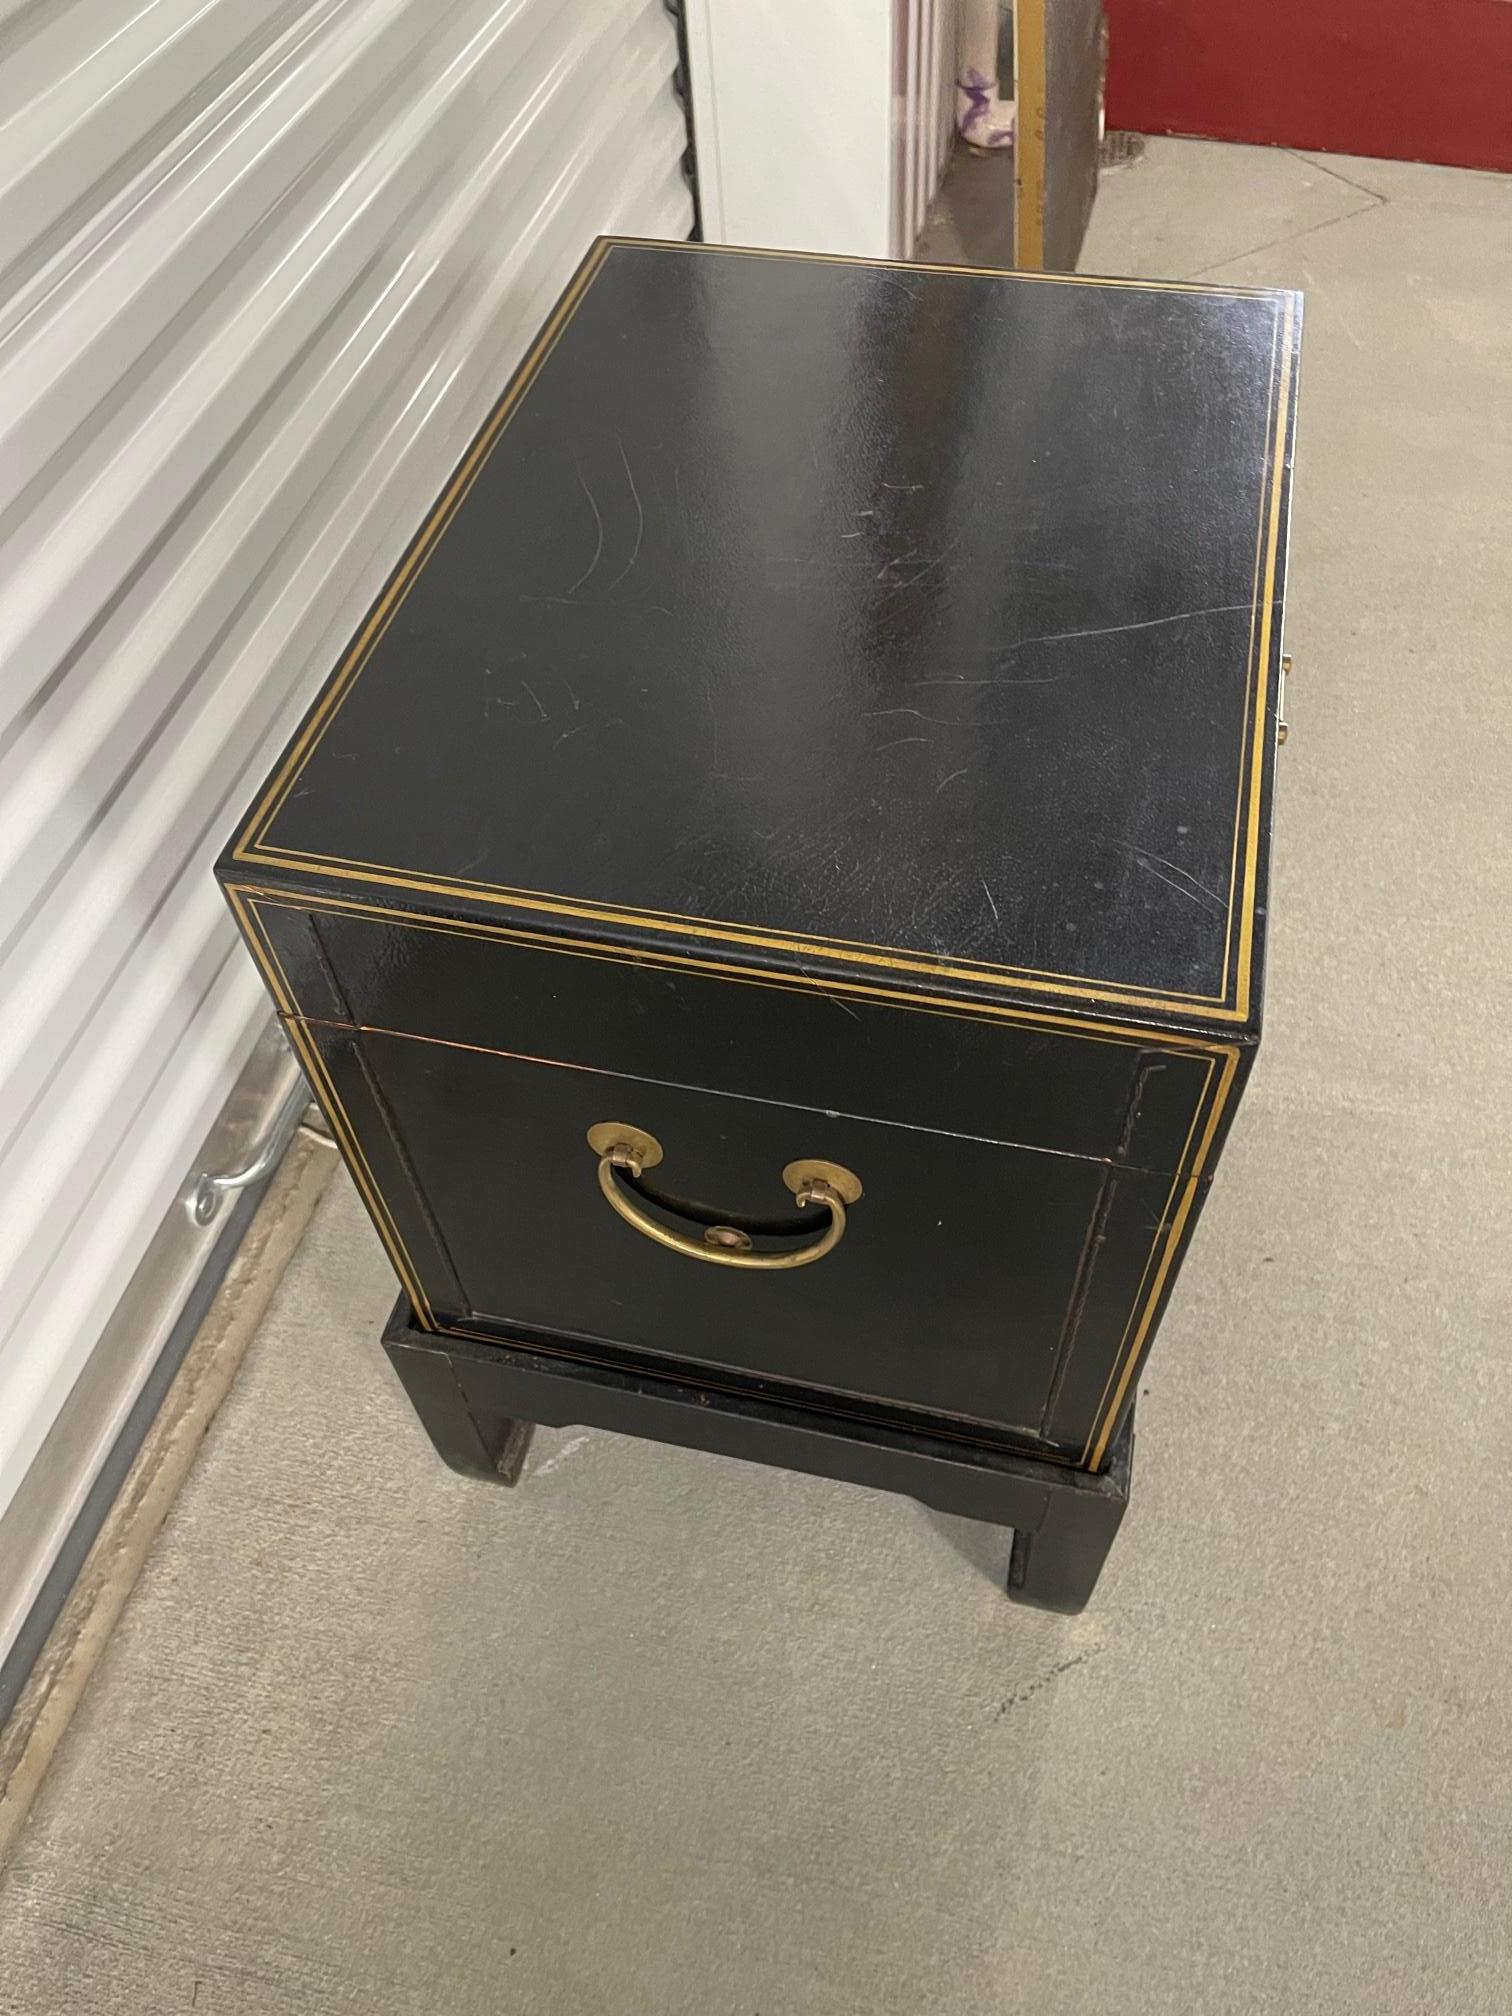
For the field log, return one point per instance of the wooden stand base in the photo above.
(478, 1401)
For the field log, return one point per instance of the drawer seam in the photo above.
(1108, 1161)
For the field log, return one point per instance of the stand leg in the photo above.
(484, 1444)
(1055, 1565)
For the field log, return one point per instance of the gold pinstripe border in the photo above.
(1220, 288)
(1141, 1314)
(324, 1088)
(398, 587)
(246, 901)
(1122, 1033)
(1254, 689)
(252, 846)
(1267, 617)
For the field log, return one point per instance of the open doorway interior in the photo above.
(1026, 204)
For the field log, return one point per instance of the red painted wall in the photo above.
(1415, 80)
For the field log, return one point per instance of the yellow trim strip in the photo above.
(378, 1208)
(893, 959)
(321, 1084)
(263, 954)
(1029, 133)
(1218, 287)
(1173, 1241)
(1268, 609)
(1179, 1176)
(1123, 1034)
(583, 913)
(393, 596)
(1254, 690)
(253, 847)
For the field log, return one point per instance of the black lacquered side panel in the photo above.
(954, 1291)
(1133, 1224)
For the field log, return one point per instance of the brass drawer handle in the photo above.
(624, 1153)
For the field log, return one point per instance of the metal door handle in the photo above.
(625, 1152)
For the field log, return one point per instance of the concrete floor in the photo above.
(657, 1733)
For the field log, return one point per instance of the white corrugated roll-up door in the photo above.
(263, 266)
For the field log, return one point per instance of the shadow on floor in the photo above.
(985, 1548)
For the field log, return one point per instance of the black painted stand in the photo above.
(478, 1402)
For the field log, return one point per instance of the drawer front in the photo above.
(1040, 1082)
(987, 1283)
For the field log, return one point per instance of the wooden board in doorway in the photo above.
(1058, 62)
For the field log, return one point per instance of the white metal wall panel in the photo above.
(263, 265)
(822, 125)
